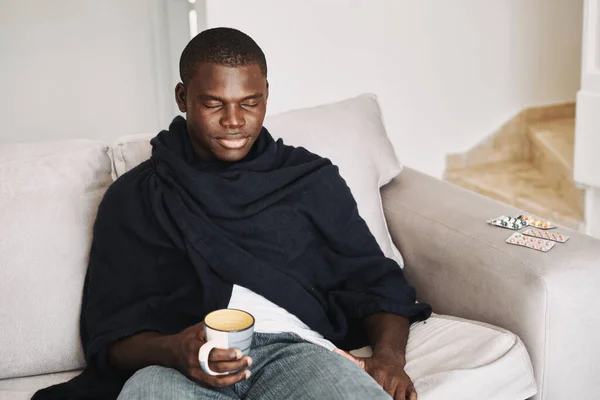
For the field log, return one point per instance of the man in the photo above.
(224, 216)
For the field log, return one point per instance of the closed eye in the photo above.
(250, 105)
(211, 106)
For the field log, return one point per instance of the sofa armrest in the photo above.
(461, 266)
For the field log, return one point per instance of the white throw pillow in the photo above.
(49, 195)
(350, 133)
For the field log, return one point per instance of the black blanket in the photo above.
(175, 233)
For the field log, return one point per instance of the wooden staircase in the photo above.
(528, 163)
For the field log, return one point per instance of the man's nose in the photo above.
(233, 117)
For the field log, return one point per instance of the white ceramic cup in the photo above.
(226, 329)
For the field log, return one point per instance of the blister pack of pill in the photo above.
(538, 223)
(547, 235)
(531, 242)
(514, 223)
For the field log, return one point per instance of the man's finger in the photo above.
(220, 381)
(399, 393)
(389, 387)
(229, 366)
(358, 360)
(225, 355)
(197, 329)
(231, 379)
(411, 393)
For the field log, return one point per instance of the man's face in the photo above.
(225, 108)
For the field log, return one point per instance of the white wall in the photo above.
(587, 135)
(81, 68)
(447, 72)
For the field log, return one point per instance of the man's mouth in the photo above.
(233, 144)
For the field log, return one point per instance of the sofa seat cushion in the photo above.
(454, 358)
(451, 358)
(447, 358)
(24, 388)
(49, 195)
(350, 133)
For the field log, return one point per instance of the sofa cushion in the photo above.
(350, 133)
(49, 194)
(447, 358)
(455, 358)
(24, 388)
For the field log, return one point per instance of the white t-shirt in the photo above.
(270, 318)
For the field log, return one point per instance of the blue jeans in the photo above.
(284, 367)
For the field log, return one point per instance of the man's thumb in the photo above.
(199, 328)
(359, 361)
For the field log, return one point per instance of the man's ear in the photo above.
(180, 97)
(267, 92)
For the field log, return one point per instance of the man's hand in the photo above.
(185, 347)
(388, 371)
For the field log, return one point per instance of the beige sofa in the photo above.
(463, 267)
(49, 193)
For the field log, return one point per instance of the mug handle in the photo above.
(203, 353)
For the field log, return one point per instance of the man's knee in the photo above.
(325, 374)
(146, 380)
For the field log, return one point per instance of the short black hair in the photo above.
(223, 46)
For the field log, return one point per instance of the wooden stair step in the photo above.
(522, 185)
(557, 138)
(552, 150)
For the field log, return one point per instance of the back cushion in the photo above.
(49, 195)
(350, 133)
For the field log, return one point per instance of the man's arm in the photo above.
(141, 350)
(179, 351)
(388, 334)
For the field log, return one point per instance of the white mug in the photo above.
(226, 329)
